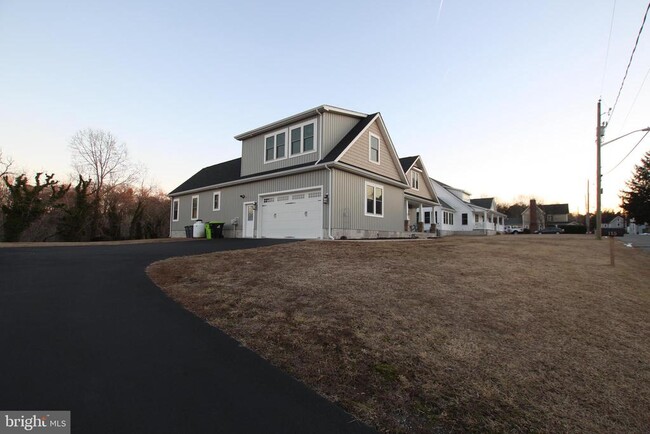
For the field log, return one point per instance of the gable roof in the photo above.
(347, 140)
(407, 162)
(485, 202)
(557, 208)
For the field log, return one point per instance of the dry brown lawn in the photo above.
(500, 334)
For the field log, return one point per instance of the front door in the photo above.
(249, 219)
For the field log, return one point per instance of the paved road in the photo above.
(83, 329)
(637, 241)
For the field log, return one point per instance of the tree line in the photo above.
(107, 200)
(635, 199)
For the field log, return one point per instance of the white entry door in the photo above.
(249, 220)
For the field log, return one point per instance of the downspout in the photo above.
(320, 133)
(171, 215)
(329, 204)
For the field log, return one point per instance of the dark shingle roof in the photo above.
(225, 172)
(485, 202)
(558, 208)
(407, 162)
(211, 175)
(349, 137)
(231, 170)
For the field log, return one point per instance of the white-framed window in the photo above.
(374, 145)
(415, 180)
(427, 217)
(448, 218)
(216, 201)
(175, 210)
(302, 138)
(374, 206)
(194, 210)
(275, 146)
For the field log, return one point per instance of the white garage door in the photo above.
(293, 215)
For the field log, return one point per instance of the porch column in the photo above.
(406, 219)
(485, 220)
(421, 222)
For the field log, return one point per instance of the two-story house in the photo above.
(324, 173)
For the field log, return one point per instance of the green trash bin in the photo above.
(208, 231)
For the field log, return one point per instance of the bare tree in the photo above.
(5, 164)
(97, 155)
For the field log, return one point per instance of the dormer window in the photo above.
(302, 138)
(415, 180)
(374, 148)
(275, 146)
(290, 142)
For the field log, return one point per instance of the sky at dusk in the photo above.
(499, 98)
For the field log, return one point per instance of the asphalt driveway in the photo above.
(83, 329)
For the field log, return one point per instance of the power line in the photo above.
(635, 98)
(628, 154)
(609, 39)
(629, 63)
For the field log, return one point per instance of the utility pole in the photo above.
(598, 176)
(588, 220)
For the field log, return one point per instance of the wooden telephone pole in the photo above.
(599, 191)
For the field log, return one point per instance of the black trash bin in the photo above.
(217, 229)
(189, 231)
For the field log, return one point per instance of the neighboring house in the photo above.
(486, 209)
(556, 214)
(327, 172)
(421, 194)
(457, 215)
(540, 216)
(547, 215)
(617, 222)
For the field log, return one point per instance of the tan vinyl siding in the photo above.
(424, 190)
(335, 127)
(232, 203)
(253, 151)
(348, 201)
(358, 155)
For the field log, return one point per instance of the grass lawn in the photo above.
(508, 333)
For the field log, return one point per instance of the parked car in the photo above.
(550, 230)
(514, 229)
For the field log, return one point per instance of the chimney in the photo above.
(534, 222)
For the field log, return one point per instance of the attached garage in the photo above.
(292, 215)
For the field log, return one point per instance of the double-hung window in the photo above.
(415, 180)
(275, 146)
(374, 200)
(374, 145)
(175, 210)
(194, 212)
(302, 138)
(464, 219)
